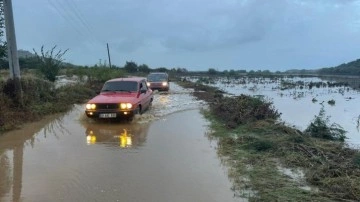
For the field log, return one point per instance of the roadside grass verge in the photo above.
(40, 98)
(270, 161)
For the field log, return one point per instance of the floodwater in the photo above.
(163, 155)
(298, 106)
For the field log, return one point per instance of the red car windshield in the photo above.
(127, 86)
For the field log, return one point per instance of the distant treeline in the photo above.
(33, 62)
(28, 60)
(351, 68)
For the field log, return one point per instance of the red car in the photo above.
(121, 97)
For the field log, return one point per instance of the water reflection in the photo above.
(12, 145)
(123, 135)
(124, 138)
(5, 174)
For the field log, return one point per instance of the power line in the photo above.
(65, 17)
(73, 9)
(79, 15)
(71, 19)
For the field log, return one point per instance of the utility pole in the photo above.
(108, 54)
(12, 49)
(11, 40)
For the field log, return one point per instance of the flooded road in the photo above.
(163, 155)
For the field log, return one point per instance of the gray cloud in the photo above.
(218, 25)
(275, 34)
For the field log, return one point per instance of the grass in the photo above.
(258, 146)
(40, 98)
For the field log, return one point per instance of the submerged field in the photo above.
(300, 99)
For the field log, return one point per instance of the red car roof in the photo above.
(137, 79)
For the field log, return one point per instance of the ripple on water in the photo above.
(165, 103)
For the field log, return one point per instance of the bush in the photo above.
(356, 159)
(50, 63)
(37, 90)
(320, 128)
(261, 145)
(74, 94)
(243, 109)
(100, 75)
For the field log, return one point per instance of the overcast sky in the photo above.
(195, 34)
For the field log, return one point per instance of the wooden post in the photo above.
(108, 54)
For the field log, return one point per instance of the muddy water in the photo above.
(164, 155)
(297, 107)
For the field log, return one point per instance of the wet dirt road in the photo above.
(164, 155)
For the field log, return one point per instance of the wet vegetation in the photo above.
(270, 161)
(321, 128)
(243, 109)
(39, 98)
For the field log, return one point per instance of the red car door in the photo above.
(145, 98)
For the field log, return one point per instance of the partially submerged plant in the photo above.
(331, 102)
(320, 128)
(235, 111)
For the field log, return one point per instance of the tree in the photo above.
(161, 69)
(29, 62)
(181, 70)
(232, 72)
(50, 62)
(144, 68)
(131, 67)
(212, 71)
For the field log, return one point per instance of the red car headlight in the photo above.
(125, 106)
(90, 106)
